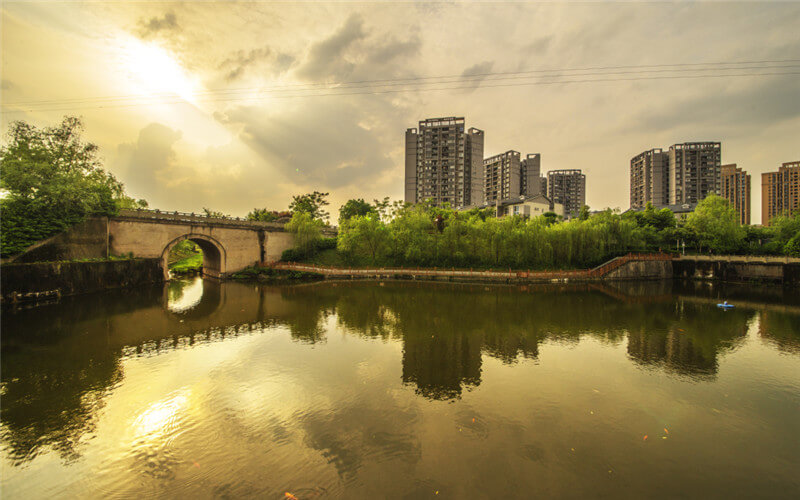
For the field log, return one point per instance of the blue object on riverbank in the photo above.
(725, 305)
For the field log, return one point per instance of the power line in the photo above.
(413, 89)
(679, 67)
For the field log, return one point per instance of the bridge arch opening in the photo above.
(214, 256)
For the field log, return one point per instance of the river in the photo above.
(200, 389)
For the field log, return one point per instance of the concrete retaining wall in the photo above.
(73, 278)
(772, 272)
(641, 269)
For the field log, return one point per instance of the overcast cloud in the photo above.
(240, 131)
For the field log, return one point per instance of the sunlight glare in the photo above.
(152, 70)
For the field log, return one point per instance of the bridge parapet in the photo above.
(185, 217)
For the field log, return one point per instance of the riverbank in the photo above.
(735, 269)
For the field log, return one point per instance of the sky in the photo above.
(233, 106)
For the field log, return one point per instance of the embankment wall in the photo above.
(77, 277)
(787, 273)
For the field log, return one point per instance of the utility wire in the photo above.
(712, 66)
(67, 105)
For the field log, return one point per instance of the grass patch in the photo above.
(190, 264)
(273, 275)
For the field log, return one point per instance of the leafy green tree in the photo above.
(266, 215)
(307, 231)
(353, 208)
(792, 247)
(214, 213)
(584, 213)
(716, 225)
(312, 204)
(365, 235)
(52, 179)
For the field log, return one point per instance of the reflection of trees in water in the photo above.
(781, 330)
(57, 369)
(59, 361)
(51, 402)
(445, 330)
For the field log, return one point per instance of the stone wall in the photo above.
(773, 272)
(641, 269)
(86, 240)
(72, 278)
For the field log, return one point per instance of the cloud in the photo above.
(538, 46)
(174, 175)
(321, 143)
(156, 25)
(327, 58)
(393, 49)
(476, 74)
(236, 64)
(756, 104)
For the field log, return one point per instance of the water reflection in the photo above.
(62, 362)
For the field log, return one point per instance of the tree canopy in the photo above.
(311, 203)
(52, 180)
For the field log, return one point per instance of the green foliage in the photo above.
(428, 236)
(716, 226)
(214, 213)
(792, 246)
(365, 234)
(353, 208)
(312, 204)
(52, 180)
(270, 274)
(307, 232)
(265, 215)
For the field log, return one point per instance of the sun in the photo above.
(153, 72)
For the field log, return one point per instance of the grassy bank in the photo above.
(267, 274)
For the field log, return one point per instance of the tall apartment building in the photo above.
(649, 179)
(444, 163)
(780, 192)
(694, 171)
(502, 177)
(684, 175)
(531, 181)
(735, 187)
(567, 188)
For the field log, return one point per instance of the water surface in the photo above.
(403, 390)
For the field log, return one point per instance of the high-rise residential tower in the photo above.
(502, 177)
(735, 187)
(531, 180)
(780, 192)
(649, 179)
(444, 163)
(567, 188)
(694, 171)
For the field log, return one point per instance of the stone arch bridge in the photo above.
(229, 244)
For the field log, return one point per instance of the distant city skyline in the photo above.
(211, 104)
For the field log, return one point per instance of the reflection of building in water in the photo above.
(672, 348)
(692, 341)
(442, 364)
(780, 329)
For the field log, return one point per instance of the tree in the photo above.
(584, 213)
(266, 215)
(216, 214)
(307, 231)
(716, 225)
(52, 180)
(353, 208)
(364, 234)
(312, 204)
